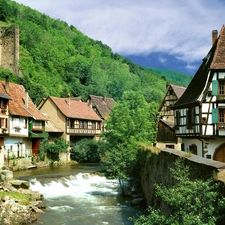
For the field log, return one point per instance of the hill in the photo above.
(57, 59)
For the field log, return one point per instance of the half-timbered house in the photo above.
(75, 119)
(102, 106)
(166, 137)
(200, 111)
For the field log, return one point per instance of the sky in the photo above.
(174, 34)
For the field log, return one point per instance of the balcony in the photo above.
(4, 130)
(4, 111)
(220, 98)
(221, 126)
(83, 131)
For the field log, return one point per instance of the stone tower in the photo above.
(9, 48)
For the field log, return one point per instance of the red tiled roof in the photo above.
(219, 55)
(17, 105)
(75, 109)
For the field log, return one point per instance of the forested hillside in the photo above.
(57, 59)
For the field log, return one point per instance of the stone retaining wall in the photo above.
(155, 169)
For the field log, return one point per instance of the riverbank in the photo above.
(18, 203)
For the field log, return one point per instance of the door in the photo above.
(35, 146)
(220, 154)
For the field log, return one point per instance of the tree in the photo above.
(132, 121)
(190, 202)
(88, 150)
(52, 150)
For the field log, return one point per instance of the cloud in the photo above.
(179, 28)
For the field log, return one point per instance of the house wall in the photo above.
(19, 123)
(17, 146)
(165, 112)
(55, 114)
(205, 147)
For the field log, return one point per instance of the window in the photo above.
(81, 124)
(16, 122)
(177, 118)
(2, 121)
(85, 124)
(2, 104)
(190, 118)
(193, 149)
(76, 123)
(98, 126)
(25, 123)
(221, 115)
(93, 125)
(71, 125)
(221, 87)
(37, 125)
(89, 125)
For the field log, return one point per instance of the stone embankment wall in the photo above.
(155, 169)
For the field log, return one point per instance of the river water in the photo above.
(76, 195)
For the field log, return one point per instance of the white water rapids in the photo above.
(83, 199)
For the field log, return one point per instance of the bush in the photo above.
(87, 150)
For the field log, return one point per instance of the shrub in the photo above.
(87, 150)
(189, 202)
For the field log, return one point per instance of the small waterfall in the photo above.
(83, 198)
(76, 186)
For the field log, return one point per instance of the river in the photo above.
(76, 195)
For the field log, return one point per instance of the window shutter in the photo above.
(215, 115)
(177, 118)
(193, 115)
(215, 87)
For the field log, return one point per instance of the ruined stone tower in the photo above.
(9, 48)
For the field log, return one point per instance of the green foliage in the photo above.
(88, 150)
(132, 121)
(52, 150)
(57, 59)
(189, 202)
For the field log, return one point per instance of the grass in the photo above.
(23, 199)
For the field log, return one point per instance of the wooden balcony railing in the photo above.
(83, 131)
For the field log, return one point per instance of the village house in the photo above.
(22, 124)
(200, 111)
(102, 106)
(166, 136)
(75, 119)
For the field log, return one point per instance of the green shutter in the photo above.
(215, 87)
(215, 115)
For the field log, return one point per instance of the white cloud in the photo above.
(179, 28)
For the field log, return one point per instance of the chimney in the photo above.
(89, 103)
(7, 84)
(26, 99)
(167, 85)
(68, 101)
(214, 36)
